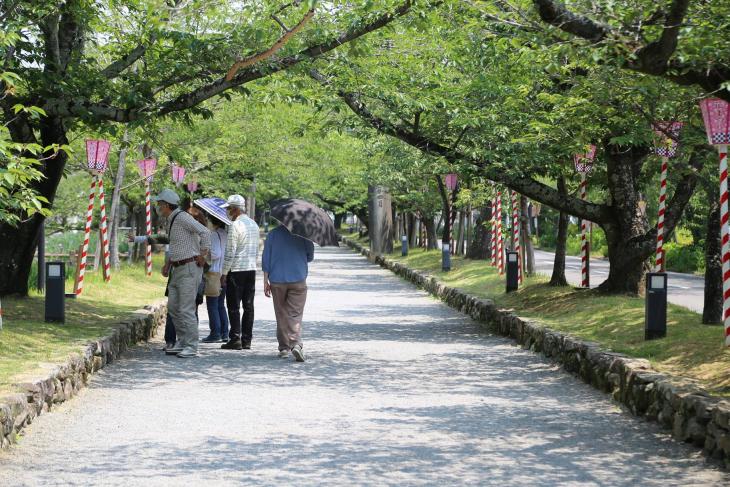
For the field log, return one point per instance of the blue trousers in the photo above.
(217, 314)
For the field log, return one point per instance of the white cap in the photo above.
(168, 196)
(236, 201)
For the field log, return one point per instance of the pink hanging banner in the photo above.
(451, 180)
(193, 186)
(147, 168)
(178, 173)
(97, 155)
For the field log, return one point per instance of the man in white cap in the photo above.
(239, 273)
(189, 245)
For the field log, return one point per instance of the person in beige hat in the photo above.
(189, 245)
(239, 273)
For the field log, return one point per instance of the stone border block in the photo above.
(66, 380)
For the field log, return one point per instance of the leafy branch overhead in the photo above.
(288, 34)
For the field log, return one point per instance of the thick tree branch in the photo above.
(256, 58)
(115, 68)
(84, 108)
(555, 14)
(653, 58)
(522, 184)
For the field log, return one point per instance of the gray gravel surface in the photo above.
(397, 389)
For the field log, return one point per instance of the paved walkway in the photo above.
(398, 389)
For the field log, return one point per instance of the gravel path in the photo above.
(397, 389)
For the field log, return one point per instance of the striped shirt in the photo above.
(188, 238)
(242, 247)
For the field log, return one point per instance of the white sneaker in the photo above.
(177, 348)
(298, 353)
(283, 353)
(188, 353)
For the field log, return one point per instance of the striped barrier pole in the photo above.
(659, 261)
(87, 232)
(104, 233)
(500, 237)
(493, 240)
(725, 236)
(584, 270)
(148, 217)
(516, 234)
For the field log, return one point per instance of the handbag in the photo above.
(212, 284)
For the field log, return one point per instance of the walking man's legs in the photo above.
(289, 301)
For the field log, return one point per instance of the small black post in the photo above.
(56, 292)
(512, 271)
(655, 310)
(404, 246)
(42, 257)
(446, 257)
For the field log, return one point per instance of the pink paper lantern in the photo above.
(193, 186)
(584, 162)
(97, 154)
(667, 138)
(451, 180)
(178, 173)
(716, 114)
(147, 168)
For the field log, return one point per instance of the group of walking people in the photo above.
(217, 256)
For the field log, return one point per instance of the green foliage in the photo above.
(684, 258)
(19, 162)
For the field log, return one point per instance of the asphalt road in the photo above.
(684, 289)
(398, 389)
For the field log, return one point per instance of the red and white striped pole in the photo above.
(104, 234)
(493, 244)
(584, 271)
(148, 218)
(659, 260)
(716, 115)
(725, 239)
(87, 232)
(500, 237)
(583, 165)
(666, 143)
(516, 233)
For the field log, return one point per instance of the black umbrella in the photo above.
(306, 220)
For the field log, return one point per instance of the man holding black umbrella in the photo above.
(285, 265)
(287, 253)
(239, 273)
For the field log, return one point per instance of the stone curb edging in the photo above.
(66, 380)
(692, 415)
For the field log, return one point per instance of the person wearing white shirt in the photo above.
(239, 273)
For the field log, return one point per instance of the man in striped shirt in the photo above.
(189, 245)
(239, 273)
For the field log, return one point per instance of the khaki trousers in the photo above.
(289, 300)
(182, 289)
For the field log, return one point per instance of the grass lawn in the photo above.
(690, 349)
(28, 345)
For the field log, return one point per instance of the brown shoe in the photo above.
(232, 345)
